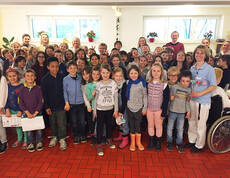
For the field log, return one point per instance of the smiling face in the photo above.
(21, 64)
(200, 55)
(135, 54)
(76, 43)
(29, 77)
(49, 52)
(226, 47)
(53, 67)
(13, 78)
(143, 62)
(173, 77)
(180, 57)
(94, 61)
(185, 82)
(118, 76)
(156, 73)
(26, 40)
(41, 59)
(133, 74)
(174, 37)
(80, 64)
(44, 39)
(105, 74)
(85, 76)
(205, 42)
(68, 55)
(81, 55)
(72, 69)
(95, 75)
(116, 61)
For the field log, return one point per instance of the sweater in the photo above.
(4, 92)
(87, 103)
(30, 99)
(225, 100)
(122, 101)
(89, 88)
(72, 90)
(52, 90)
(177, 47)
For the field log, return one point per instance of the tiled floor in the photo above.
(82, 161)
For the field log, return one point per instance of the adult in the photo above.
(44, 42)
(177, 46)
(141, 43)
(225, 48)
(206, 42)
(26, 40)
(76, 44)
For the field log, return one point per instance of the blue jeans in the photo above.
(77, 116)
(125, 127)
(30, 136)
(179, 119)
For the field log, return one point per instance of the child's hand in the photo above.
(94, 92)
(1, 111)
(162, 118)
(29, 115)
(195, 94)
(172, 97)
(19, 114)
(95, 115)
(48, 111)
(67, 106)
(143, 113)
(115, 114)
(35, 114)
(89, 109)
(187, 115)
(8, 114)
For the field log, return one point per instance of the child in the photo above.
(94, 78)
(118, 45)
(105, 107)
(143, 66)
(158, 97)
(32, 55)
(204, 76)
(180, 61)
(19, 64)
(224, 63)
(62, 68)
(52, 90)
(164, 55)
(173, 73)
(122, 105)
(124, 58)
(136, 95)
(74, 102)
(49, 51)
(91, 51)
(94, 60)
(3, 98)
(31, 103)
(103, 58)
(178, 106)
(135, 57)
(8, 63)
(12, 106)
(68, 54)
(116, 62)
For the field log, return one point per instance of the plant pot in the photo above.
(151, 40)
(90, 39)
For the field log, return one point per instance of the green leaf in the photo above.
(12, 39)
(5, 40)
(6, 47)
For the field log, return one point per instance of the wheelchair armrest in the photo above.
(226, 111)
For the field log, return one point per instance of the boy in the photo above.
(62, 68)
(178, 106)
(52, 89)
(30, 102)
(173, 73)
(224, 63)
(118, 45)
(102, 48)
(74, 102)
(103, 58)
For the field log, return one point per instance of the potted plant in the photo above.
(208, 34)
(152, 36)
(91, 35)
(7, 42)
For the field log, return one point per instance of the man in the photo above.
(26, 40)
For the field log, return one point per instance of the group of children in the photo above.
(100, 94)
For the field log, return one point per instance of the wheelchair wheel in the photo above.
(219, 135)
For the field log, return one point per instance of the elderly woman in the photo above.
(76, 44)
(226, 48)
(44, 42)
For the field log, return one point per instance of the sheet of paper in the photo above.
(36, 123)
(12, 121)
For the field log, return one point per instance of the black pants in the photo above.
(90, 122)
(134, 121)
(104, 118)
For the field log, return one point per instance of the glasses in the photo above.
(41, 56)
(173, 75)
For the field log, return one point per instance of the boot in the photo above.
(119, 138)
(138, 142)
(132, 144)
(151, 143)
(124, 142)
(158, 144)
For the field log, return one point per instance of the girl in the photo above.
(136, 106)
(143, 66)
(164, 55)
(94, 59)
(32, 54)
(134, 57)
(12, 106)
(90, 89)
(80, 64)
(15, 46)
(141, 43)
(8, 63)
(63, 47)
(20, 63)
(122, 104)
(40, 67)
(116, 62)
(49, 51)
(180, 61)
(3, 98)
(68, 55)
(105, 107)
(205, 83)
(158, 98)
(206, 42)
(189, 59)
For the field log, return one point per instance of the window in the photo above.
(189, 28)
(60, 27)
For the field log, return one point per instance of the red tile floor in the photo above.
(82, 161)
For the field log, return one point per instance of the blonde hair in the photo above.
(219, 72)
(162, 73)
(45, 34)
(117, 69)
(174, 69)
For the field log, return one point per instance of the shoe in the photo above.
(110, 143)
(169, 146)
(151, 143)
(138, 142)
(100, 150)
(63, 144)
(180, 148)
(189, 145)
(158, 144)
(4, 147)
(83, 140)
(103, 141)
(15, 144)
(53, 142)
(124, 143)
(94, 141)
(31, 148)
(39, 146)
(132, 144)
(196, 150)
(88, 135)
(76, 141)
(119, 138)
(24, 146)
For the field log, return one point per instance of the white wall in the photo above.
(14, 20)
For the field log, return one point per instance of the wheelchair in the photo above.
(218, 137)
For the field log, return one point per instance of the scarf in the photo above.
(140, 79)
(120, 84)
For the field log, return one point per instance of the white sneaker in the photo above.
(53, 142)
(63, 144)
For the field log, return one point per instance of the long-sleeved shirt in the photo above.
(72, 90)
(52, 90)
(89, 88)
(87, 103)
(4, 92)
(30, 99)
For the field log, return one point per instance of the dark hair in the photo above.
(68, 64)
(106, 66)
(6, 51)
(114, 49)
(94, 54)
(77, 51)
(68, 50)
(117, 43)
(184, 65)
(164, 46)
(28, 71)
(135, 68)
(18, 59)
(169, 49)
(154, 59)
(18, 53)
(94, 68)
(24, 35)
(163, 52)
(225, 58)
(88, 70)
(49, 47)
(12, 70)
(115, 55)
(123, 53)
(52, 59)
(0, 73)
(185, 73)
(36, 65)
(58, 51)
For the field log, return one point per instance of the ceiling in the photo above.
(114, 2)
